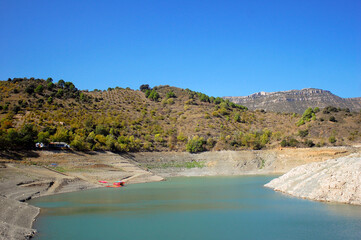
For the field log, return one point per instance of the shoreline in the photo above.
(20, 182)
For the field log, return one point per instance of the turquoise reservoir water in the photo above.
(194, 208)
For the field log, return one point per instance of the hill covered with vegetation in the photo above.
(161, 118)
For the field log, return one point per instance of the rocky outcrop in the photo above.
(295, 100)
(335, 180)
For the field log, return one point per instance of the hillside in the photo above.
(160, 119)
(296, 100)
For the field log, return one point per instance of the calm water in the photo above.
(194, 208)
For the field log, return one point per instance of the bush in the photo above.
(195, 145)
(237, 117)
(181, 137)
(303, 133)
(153, 95)
(332, 119)
(309, 143)
(170, 94)
(39, 89)
(30, 89)
(289, 142)
(50, 100)
(332, 139)
(329, 109)
(60, 93)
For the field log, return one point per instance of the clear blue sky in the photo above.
(222, 48)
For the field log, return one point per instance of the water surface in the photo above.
(193, 208)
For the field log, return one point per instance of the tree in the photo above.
(61, 83)
(306, 116)
(30, 89)
(144, 87)
(43, 137)
(50, 85)
(79, 143)
(49, 80)
(28, 135)
(69, 85)
(61, 135)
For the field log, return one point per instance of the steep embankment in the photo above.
(335, 180)
(276, 161)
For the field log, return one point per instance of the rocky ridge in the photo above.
(335, 180)
(296, 100)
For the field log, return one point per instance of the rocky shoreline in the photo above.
(335, 180)
(32, 177)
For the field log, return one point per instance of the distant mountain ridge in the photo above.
(296, 100)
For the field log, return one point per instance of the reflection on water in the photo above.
(194, 208)
(344, 210)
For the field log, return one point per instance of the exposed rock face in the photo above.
(335, 180)
(296, 100)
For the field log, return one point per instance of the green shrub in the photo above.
(39, 89)
(79, 143)
(307, 116)
(303, 133)
(195, 145)
(291, 142)
(181, 137)
(237, 117)
(153, 95)
(43, 137)
(332, 139)
(170, 94)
